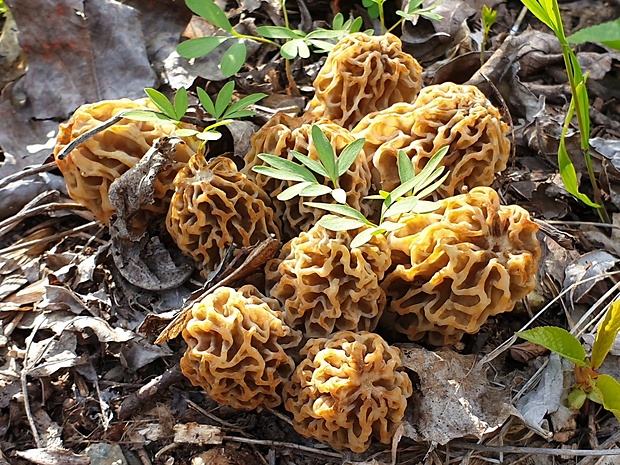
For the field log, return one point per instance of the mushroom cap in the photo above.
(236, 348)
(94, 165)
(281, 136)
(324, 285)
(364, 74)
(454, 268)
(349, 388)
(458, 116)
(215, 206)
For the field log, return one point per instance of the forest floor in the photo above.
(81, 380)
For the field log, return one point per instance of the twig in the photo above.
(87, 135)
(610, 441)
(61, 235)
(10, 223)
(28, 171)
(24, 383)
(260, 442)
(515, 27)
(214, 418)
(535, 450)
(157, 385)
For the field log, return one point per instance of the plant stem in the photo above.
(292, 85)
(285, 14)
(381, 17)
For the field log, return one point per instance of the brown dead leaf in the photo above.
(53, 457)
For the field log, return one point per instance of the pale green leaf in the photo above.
(223, 99)
(569, 175)
(181, 102)
(343, 210)
(338, 21)
(233, 59)
(211, 12)
(610, 392)
(242, 104)
(293, 191)
(324, 34)
(606, 335)
(337, 223)
(391, 226)
(315, 190)
(339, 195)
(325, 152)
(199, 47)
(433, 187)
(557, 340)
(146, 115)
(206, 101)
(576, 399)
(364, 237)
(277, 32)
(431, 170)
(425, 206)
(161, 102)
(406, 172)
(310, 163)
(402, 206)
(605, 33)
(348, 156)
(185, 132)
(209, 135)
(294, 48)
(277, 174)
(289, 167)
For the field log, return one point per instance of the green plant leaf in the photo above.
(372, 8)
(310, 163)
(209, 135)
(365, 236)
(277, 32)
(239, 114)
(162, 102)
(211, 12)
(293, 191)
(609, 389)
(322, 33)
(391, 226)
(294, 48)
(186, 132)
(199, 47)
(146, 115)
(348, 156)
(605, 33)
(406, 172)
(206, 101)
(337, 223)
(287, 166)
(315, 190)
(558, 340)
(569, 175)
(343, 210)
(355, 25)
(413, 5)
(321, 46)
(233, 59)
(576, 399)
(325, 151)
(242, 104)
(433, 187)
(425, 206)
(541, 12)
(606, 335)
(431, 170)
(338, 21)
(339, 195)
(402, 206)
(277, 174)
(181, 102)
(223, 99)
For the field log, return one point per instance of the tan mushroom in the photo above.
(348, 389)
(454, 268)
(236, 348)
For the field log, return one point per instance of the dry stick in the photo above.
(47, 208)
(61, 235)
(259, 442)
(24, 384)
(87, 135)
(28, 171)
(610, 441)
(536, 450)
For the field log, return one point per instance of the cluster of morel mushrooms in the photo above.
(314, 339)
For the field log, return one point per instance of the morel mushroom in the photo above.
(458, 116)
(94, 165)
(215, 206)
(279, 137)
(348, 389)
(236, 348)
(364, 74)
(324, 285)
(454, 268)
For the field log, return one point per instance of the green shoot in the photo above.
(599, 388)
(405, 199)
(328, 166)
(489, 16)
(605, 33)
(548, 12)
(223, 110)
(296, 43)
(375, 10)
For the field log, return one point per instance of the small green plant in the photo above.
(406, 198)
(3, 8)
(375, 10)
(329, 166)
(605, 33)
(223, 110)
(600, 388)
(489, 16)
(548, 12)
(296, 43)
